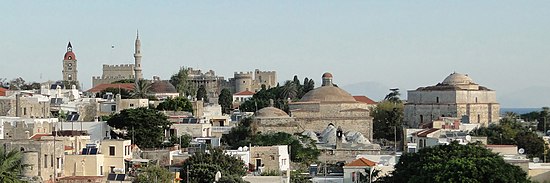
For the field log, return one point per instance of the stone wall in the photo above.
(269, 157)
(45, 150)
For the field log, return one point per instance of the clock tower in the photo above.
(69, 66)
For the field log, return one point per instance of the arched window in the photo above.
(436, 99)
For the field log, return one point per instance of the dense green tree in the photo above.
(240, 135)
(176, 104)
(533, 144)
(156, 174)
(202, 167)
(225, 99)
(124, 94)
(309, 85)
(184, 140)
(387, 120)
(290, 90)
(145, 126)
(296, 177)
(303, 149)
(455, 163)
(11, 165)
(544, 120)
(141, 89)
(202, 94)
(181, 81)
(393, 96)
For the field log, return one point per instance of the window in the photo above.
(113, 108)
(58, 164)
(476, 99)
(436, 99)
(112, 169)
(51, 162)
(111, 150)
(131, 105)
(45, 161)
(125, 150)
(100, 170)
(70, 77)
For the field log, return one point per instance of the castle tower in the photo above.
(69, 66)
(137, 59)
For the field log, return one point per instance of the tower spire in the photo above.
(137, 59)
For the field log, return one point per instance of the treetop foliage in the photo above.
(146, 126)
(455, 163)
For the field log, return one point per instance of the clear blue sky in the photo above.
(501, 44)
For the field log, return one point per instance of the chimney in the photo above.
(18, 105)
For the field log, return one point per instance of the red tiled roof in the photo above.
(364, 99)
(245, 93)
(362, 162)
(98, 88)
(425, 132)
(3, 91)
(37, 136)
(68, 148)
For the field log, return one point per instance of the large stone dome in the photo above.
(458, 79)
(271, 112)
(163, 87)
(327, 93)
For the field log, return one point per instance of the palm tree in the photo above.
(141, 89)
(10, 165)
(393, 96)
(289, 90)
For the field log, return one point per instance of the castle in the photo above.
(253, 81)
(112, 73)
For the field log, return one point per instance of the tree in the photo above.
(11, 165)
(309, 85)
(124, 94)
(303, 149)
(289, 90)
(201, 93)
(544, 120)
(182, 84)
(144, 126)
(455, 163)
(176, 104)
(202, 167)
(225, 99)
(393, 96)
(365, 177)
(155, 173)
(387, 116)
(240, 135)
(16, 83)
(534, 145)
(141, 89)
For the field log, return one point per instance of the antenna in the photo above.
(521, 150)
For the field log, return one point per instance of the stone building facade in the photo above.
(253, 81)
(211, 82)
(112, 73)
(25, 105)
(44, 157)
(457, 96)
(329, 104)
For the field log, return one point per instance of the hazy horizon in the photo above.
(502, 45)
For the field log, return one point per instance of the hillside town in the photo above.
(198, 126)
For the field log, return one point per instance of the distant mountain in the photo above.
(535, 96)
(373, 90)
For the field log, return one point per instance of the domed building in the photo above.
(163, 89)
(272, 119)
(457, 96)
(330, 105)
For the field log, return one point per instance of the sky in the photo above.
(501, 44)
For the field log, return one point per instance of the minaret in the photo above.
(137, 58)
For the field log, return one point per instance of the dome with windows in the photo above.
(327, 93)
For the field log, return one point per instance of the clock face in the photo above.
(70, 58)
(70, 63)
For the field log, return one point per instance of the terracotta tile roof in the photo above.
(68, 148)
(362, 162)
(364, 99)
(245, 93)
(3, 91)
(425, 132)
(37, 136)
(98, 88)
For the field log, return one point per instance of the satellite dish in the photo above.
(240, 149)
(521, 150)
(245, 148)
(468, 138)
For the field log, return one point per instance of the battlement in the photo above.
(118, 67)
(257, 71)
(242, 74)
